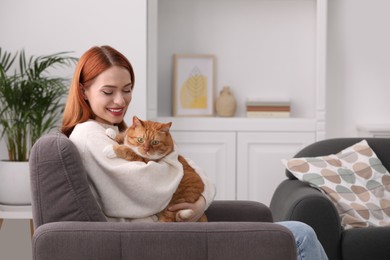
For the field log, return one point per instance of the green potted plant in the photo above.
(31, 101)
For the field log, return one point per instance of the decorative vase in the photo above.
(226, 103)
(15, 183)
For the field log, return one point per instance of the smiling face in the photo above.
(109, 95)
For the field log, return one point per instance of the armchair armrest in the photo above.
(190, 241)
(235, 210)
(295, 200)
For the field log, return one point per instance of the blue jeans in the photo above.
(308, 246)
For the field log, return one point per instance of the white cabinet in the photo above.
(215, 154)
(242, 156)
(259, 167)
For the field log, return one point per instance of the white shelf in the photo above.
(221, 124)
(15, 212)
(374, 130)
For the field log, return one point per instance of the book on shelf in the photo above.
(279, 108)
(255, 102)
(267, 104)
(268, 114)
(268, 108)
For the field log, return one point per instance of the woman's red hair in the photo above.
(91, 64)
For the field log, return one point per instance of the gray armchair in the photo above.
(70, 225)
(295, 200)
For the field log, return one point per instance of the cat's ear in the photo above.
(166, 127)
(136, 121)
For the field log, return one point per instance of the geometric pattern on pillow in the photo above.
(355, 180)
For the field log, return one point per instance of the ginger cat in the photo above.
(150, 141)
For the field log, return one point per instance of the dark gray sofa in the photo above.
(70, 225)
(295, 200)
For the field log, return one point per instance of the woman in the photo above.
(99, 96)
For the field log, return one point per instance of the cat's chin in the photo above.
(150, 157)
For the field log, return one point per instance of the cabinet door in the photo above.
(259, 167)
(215, 154)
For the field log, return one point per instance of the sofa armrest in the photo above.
(190, 241)
(59, 185)
(295, 200)
(235, 210)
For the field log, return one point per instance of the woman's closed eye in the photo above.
(107, 92)
(127, 91)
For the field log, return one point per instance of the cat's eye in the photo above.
(140, 140)
(155, 142)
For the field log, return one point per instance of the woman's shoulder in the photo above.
(86, 128)
(90, 127)
(91, 134)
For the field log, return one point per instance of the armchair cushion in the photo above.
(354, 179)
(238, 211)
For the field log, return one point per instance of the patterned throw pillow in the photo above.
(354, 180)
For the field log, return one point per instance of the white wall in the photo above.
(45, 27)
(358, 81)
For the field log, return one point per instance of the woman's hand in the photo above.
(198, 208)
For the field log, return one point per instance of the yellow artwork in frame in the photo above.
(193, 85)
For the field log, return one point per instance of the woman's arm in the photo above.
(199, 207)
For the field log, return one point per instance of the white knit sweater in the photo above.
(129, 190)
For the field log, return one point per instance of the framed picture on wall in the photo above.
(193, 85)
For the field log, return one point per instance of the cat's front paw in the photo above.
(109, 152)
(111, 133)
(184, 215)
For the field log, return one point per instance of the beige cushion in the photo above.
(354, 180)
